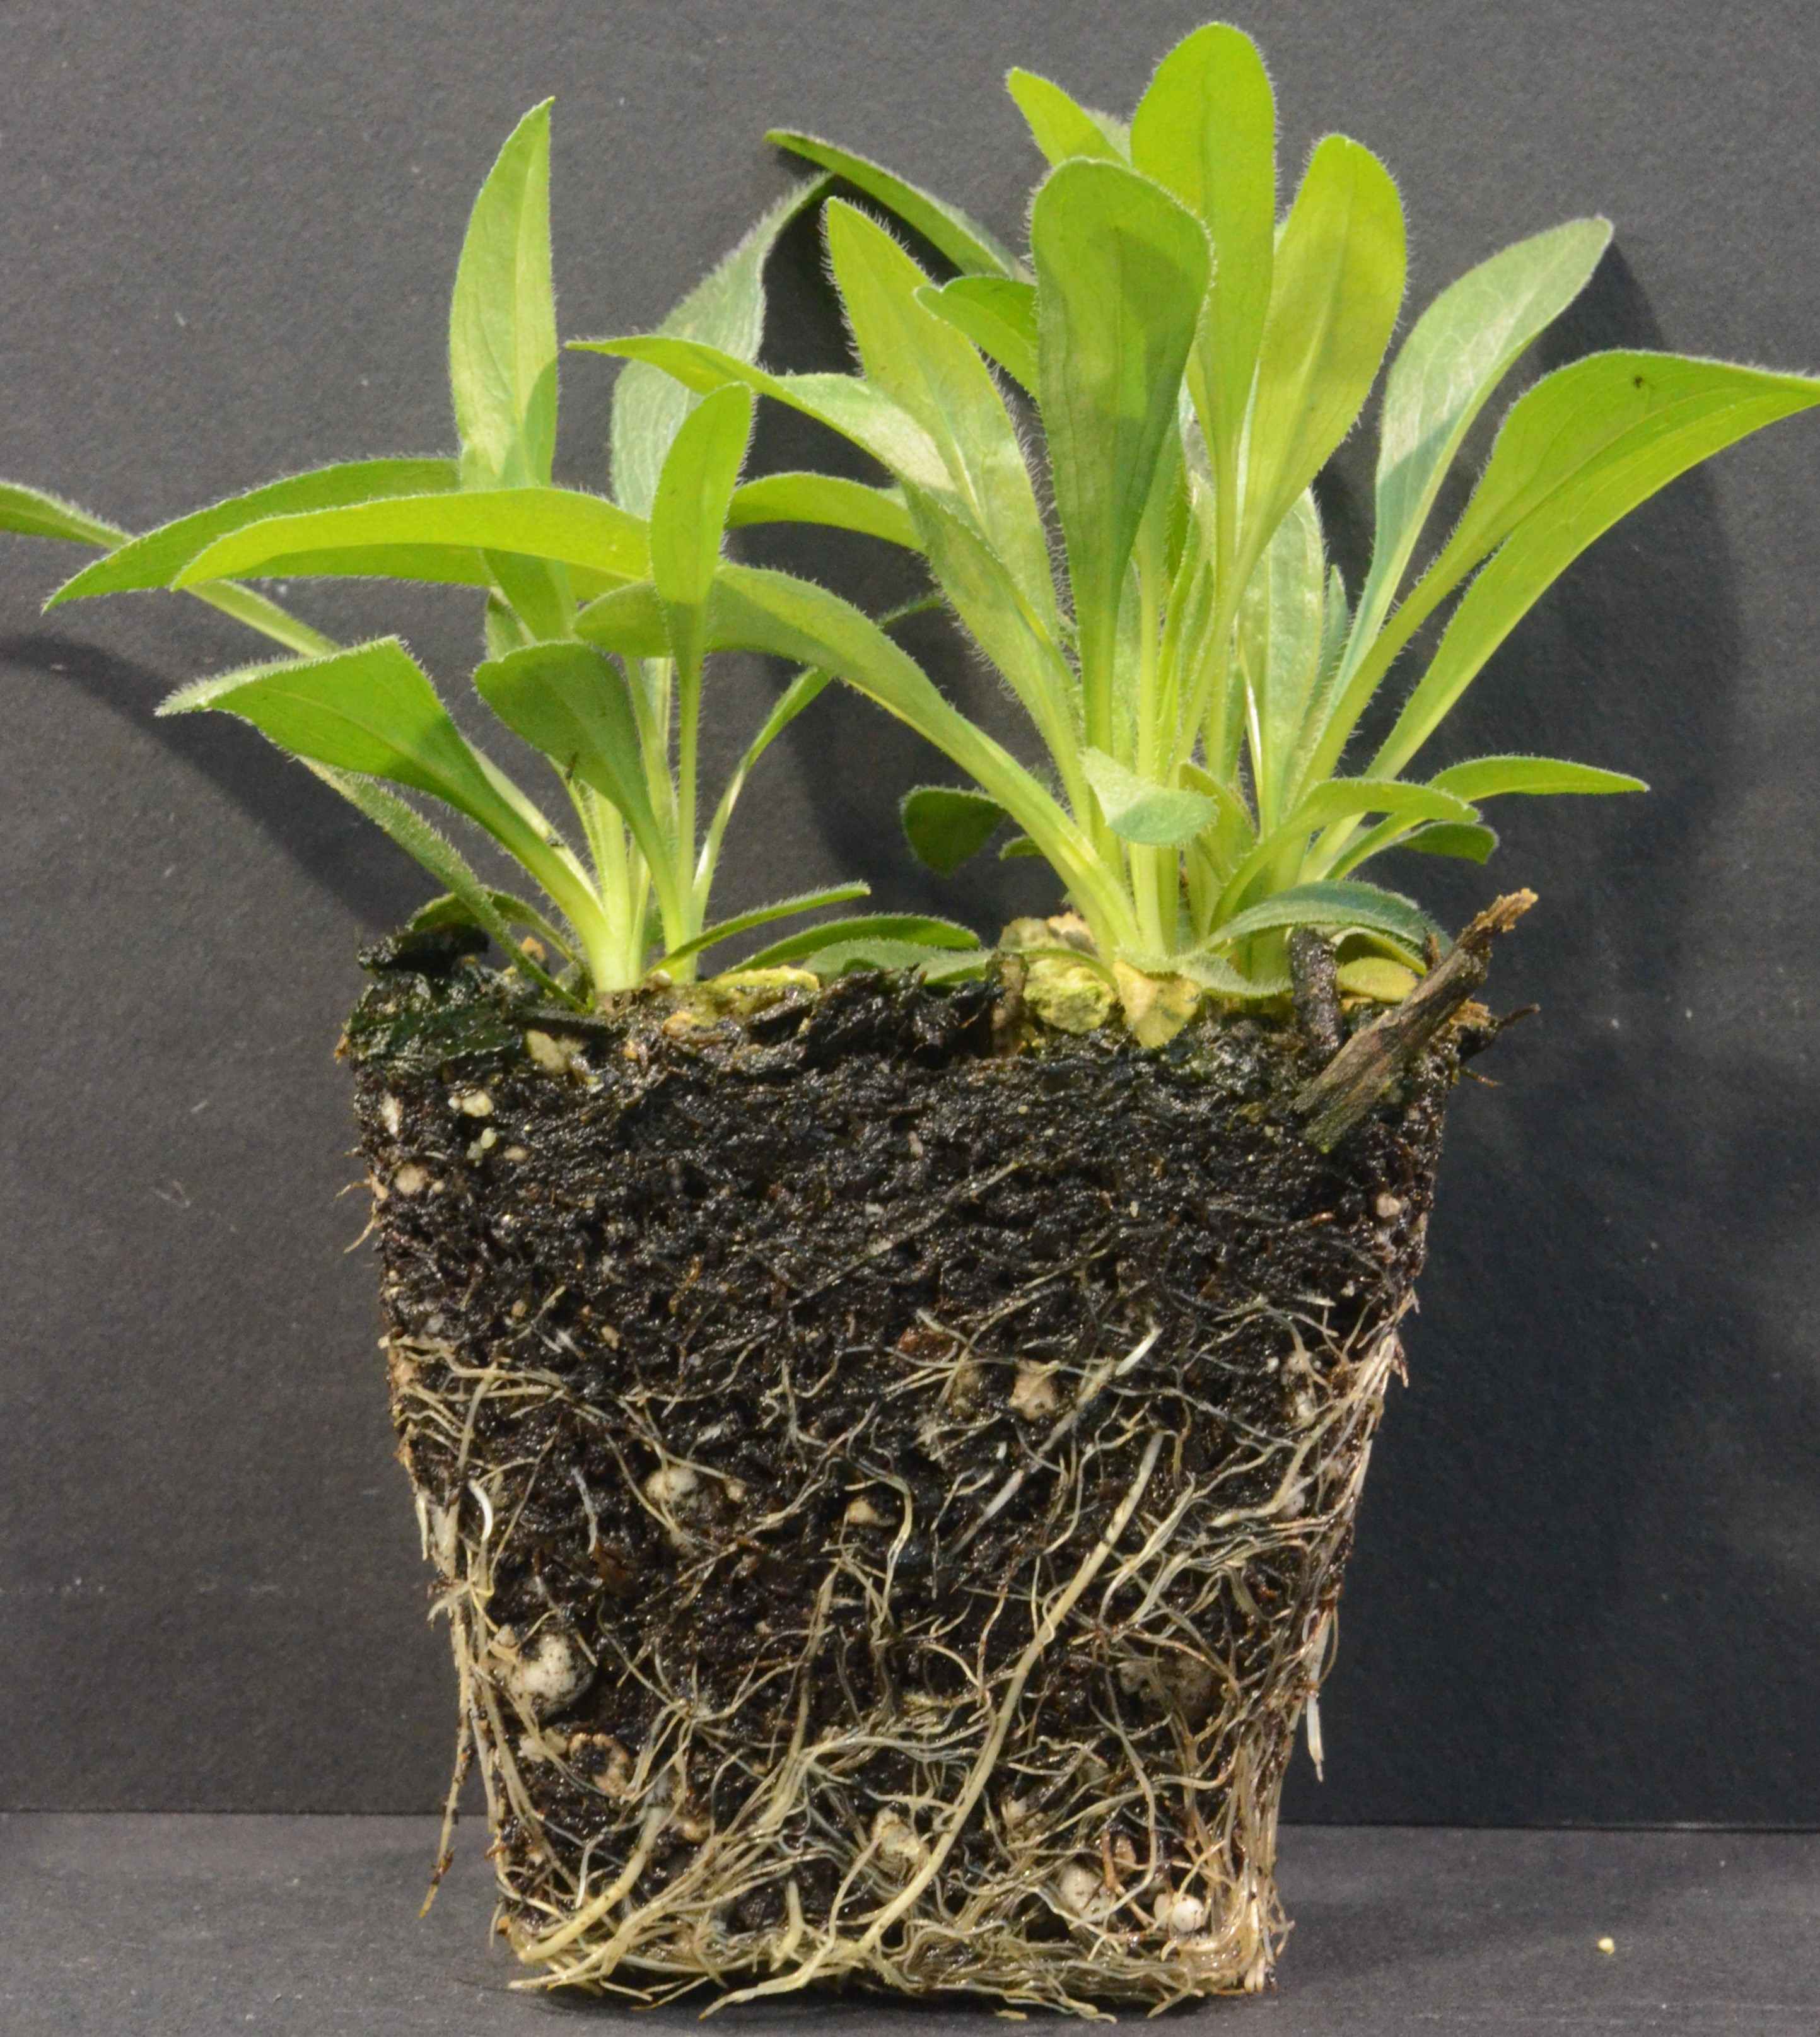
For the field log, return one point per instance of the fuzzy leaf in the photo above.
(946, 825)
(725, 310)
(1460, 349)
(826, 499)
(905, 928)
(1333, 905)
(1206, 130)
(569, 701)
(838, 957)
(628, 620)
(1471, 841)
(688, 515)
(997, 314)
(842, 402)
(155, 558)
(757, 609)
(966, 243)
(1618, 427)
(1058, 126)
(1138, 810)
(371, 711)
(1122, 271)
(1337, 284)
(455, 908)
(762, 915)
(492, 911)
(933, 373)
(1281, 620)
(1493, 777)
(502, 322)
(437, 538)
(32, 513)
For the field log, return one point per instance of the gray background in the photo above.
(1588, 1583)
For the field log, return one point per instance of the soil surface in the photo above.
(769, 1383)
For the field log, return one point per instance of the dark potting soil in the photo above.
(776, 1371)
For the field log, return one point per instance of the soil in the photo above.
(889, 1466)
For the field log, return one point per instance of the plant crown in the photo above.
(1169, 367)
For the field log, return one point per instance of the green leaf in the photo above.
(1138, 810)
(966, 243)
(492, 911)
(725, 310)
(933, 373)
(826, 499)
(1472, 842)
(437, 538)
(1058, 126)
(1337, 284)
(1333, 905)
(1020, 849)
(1462, 347)
(1493, 777)
(688, 515)
(628, 620)
(762, 915)
(839, 957)
(569, 701)
(754, 609)
(946, 825)
(1622, 426)
(454, 910)
(370, 710)
(842, 402)
(1344, 800)
(502, 321)
(1122, 271)
(997, 314)
(1206, 130)
(1282, 622)
(908, 928)
(32, 513)
(155, 558)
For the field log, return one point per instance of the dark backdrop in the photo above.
(1588, 1585)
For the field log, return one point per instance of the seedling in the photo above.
(1196, 671)
(629, 893)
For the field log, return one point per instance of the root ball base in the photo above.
(888, 1469)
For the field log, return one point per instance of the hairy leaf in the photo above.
(1058, 126)
(1460, 349)
(1337, 284)
(628, 620)
(492, 911)
(824, 498)
(946, 825)
(155, 558)
(688, 515)
(569, 701)
(32, 513)
(842, 402)
(966, 243)
(1333, 905)
(1137, 809)
(1623, 428)
(502, 322)
(437, 538)
(1122, 270)
(762, 915)
(1471, 841)
(725, 310)
(998, 314)
(932, 372)
(1206, 130)
(1493, 777)
(914, 928)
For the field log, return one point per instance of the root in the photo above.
(963, 1835)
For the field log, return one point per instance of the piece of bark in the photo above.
(1333, 1100)
(1314, 976)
